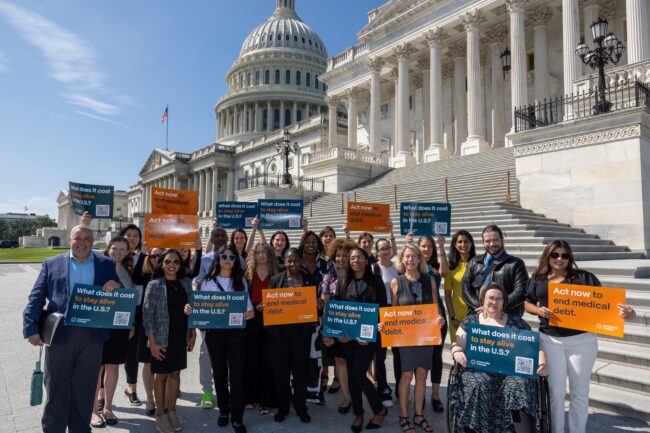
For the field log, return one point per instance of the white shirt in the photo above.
(387, 275)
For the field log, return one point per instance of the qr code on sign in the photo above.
(440, 228)
(294, 223)
(248, 221)
(367, 331)
(102, 210)
(524, 365)
(235, 319)
(121, 318)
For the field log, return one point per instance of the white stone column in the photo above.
(436, 150)
(230, 184)
(294, 113)
(269, 117)
(518, 72)
(495, 36)
(258, 118)
(638, 30)
(351, 95)
(539, 18)
(404, 156)
(208, 189)
(425, 68)
(202, 191)
(226, 125)
(570, 32)
(396, 120)
(215, 189)
(282, 118)
(307, 111)
(332, 105)
(457, 51)
(475, 142)
(374, 65)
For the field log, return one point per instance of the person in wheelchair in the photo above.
(488, 402)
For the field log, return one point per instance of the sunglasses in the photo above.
(172, 262)
(227, 257)
(565, 256)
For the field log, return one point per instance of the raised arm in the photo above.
(442, 257)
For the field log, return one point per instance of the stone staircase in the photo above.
(477, 188)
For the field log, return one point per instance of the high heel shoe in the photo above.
(374, 426)
(357, 425)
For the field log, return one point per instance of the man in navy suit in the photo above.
(73, 359)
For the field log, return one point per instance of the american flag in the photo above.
(165, 114)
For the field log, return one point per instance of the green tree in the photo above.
(45, 221)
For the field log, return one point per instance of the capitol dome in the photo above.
(275, 81)
(284, 29)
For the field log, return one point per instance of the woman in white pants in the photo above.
(569, 352)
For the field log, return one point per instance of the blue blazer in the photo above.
(52, 285)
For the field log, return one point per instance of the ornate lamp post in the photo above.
(607, 49)
(287, 149)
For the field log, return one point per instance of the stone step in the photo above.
(634, 333)
(623, 376)
(544, 241)
(638, 268)
(622, 352)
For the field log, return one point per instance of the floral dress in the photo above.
(477, 400)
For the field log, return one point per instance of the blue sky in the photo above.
(84, 83)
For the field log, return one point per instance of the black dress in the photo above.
(176, 354)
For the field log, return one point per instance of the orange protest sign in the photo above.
(171, 231)
(586, 308)
(287, 306)
(174, 201)
(368, 217)
(411, 325)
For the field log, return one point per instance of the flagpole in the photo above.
(167, 129)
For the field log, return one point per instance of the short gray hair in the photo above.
(81, 227)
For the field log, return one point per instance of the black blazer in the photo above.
(278, 281)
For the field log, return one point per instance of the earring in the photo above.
(485, 315)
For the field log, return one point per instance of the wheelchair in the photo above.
(542, 420)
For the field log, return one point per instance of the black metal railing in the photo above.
(630, 94)
(304, 183)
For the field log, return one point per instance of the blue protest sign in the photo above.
(355, 320)
(92, 307)
(425, 219)
(97, 200)
(218, 310)
(280, 214)
(236, 215)
(509, 351)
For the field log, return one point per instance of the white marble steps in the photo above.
(623, 352)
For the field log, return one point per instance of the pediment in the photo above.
(157, 159)
(389, 11)
(62, 197)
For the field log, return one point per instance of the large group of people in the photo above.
(275, 367)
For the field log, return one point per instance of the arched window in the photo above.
(287, 36)
(257, 78)
(287, 77)
(270, 36)
(279, 37)
(308, 80)
(267, 77)
(277, 76)
(295, 38)
(297, 78)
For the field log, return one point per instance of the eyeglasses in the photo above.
(172, 262)
(154, 256)
(227, 257)
(565, 256)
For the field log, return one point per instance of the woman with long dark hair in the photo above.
(437, 268)
(569, 353)
(261, 265)
(361, 285)
(227, 347)
(166, 327)
(239, 239)
(115, 347)
(461, 250)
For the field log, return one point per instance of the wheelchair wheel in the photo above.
(451, 411)
(543, 406)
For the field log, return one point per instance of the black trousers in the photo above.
(290, 358)
(258, 376)
(71, 370)
(227, 349)
(380, 371)
(436, 362)
(359, 357)
(131, 364)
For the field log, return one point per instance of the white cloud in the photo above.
(103, 119)
(71, 59)
(4, 63)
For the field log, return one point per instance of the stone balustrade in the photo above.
(346, 56)
(616, 76)
(332, 153)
